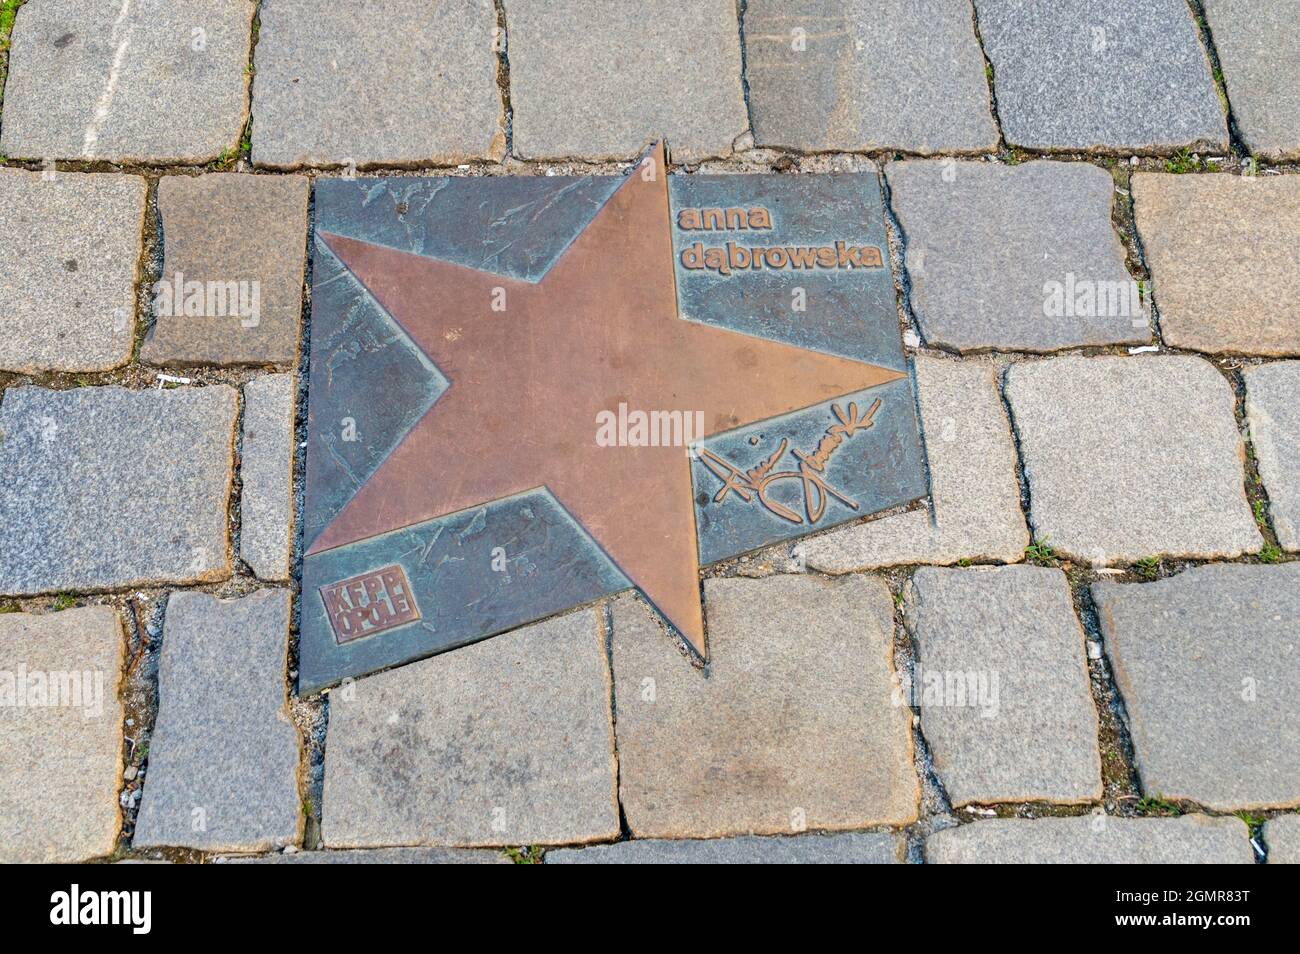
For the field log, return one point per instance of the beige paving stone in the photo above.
(1282, 835)
(71, 247)
(266, 470)
(597, 80)
(1001, 683)
(224, 755)
(1014, 258)
(1258, 43)
(403, 82)
(504, 742)
(1208, 665)
(1224, 260)
(866, 75)
(235, 247)
(1093, 840)
(102, 488)
(61, 722)
(1103, 75)
(1273, 410)
(378, 856)
(973, 485)
(792, 726)
(850, 848)
(1131, 457)
(157, 81)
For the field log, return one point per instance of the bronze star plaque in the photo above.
(529, 392)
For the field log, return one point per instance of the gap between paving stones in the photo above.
(142, 608)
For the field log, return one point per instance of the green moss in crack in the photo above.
(525, 855)
(1041, 552)
(1157, 805)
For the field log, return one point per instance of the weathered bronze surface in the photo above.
(527, 381)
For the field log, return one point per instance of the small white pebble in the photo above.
(911, 338)
(1094, 649)
(1144, 349)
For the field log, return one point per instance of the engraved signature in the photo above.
(757, 481)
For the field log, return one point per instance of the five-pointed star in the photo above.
(527, 383)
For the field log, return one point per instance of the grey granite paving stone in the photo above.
(973, 483)
(378, 856)
(506, 741)
(221, 229)
(1282, 835)
(71, 247)
(1094, 840)
(154, 81)
(223, 757)
(1273, 410)
(1016, 258)
(853, 848)
(598, 80)
(897, 74)
(103, 488)
(1208, 665)
(1224, 259)
(405, 82)
(1131, 457)
(1001, 682)
(61, 721)
(1258, 43)
(1104, 75)
(791, 727)
(266, 470)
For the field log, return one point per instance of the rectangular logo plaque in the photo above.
(530, 392)
(369, 603)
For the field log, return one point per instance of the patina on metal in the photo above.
(545, 376)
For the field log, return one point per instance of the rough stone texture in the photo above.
(266, 501)
(1274, 414)
(60, 765)
(1282, 835)
(223, 758)
(1225, 263)
(848, 849)
(973, 483)
(71, 248)
(1105, 75)
(598, 80)
(104, 487)
(1208, 664)
(898, 74)
(984, 240)
(504, 742)
(1027, 731)
(143, 81)
(1131, 457)
(379, 856)
(793, 725)
(1258, 42)
(1093, 840)
(402, 82)
(226, 228)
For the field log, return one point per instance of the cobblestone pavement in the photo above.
(1082, 646)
